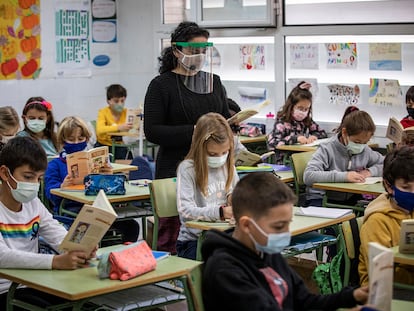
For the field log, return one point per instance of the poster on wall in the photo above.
(385, 56)
(341, 55)
(72, 38)
(20, 50)
(304, 56)
(385, 92)
(343, 94)
(314, 85)
(252, 57)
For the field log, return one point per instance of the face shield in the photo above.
(195, 59)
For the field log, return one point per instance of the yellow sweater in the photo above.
(382, 224)
(106, 124)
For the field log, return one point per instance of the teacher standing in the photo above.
(185, 90)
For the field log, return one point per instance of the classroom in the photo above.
(347, 52)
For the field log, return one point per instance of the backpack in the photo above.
(328, 275)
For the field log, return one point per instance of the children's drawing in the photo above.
(252, 57)
(304, 56)
(341, 55)
(385, 56)
(385, 92)
(343, 94)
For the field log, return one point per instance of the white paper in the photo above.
(323, 212)
(370, 181)
(317, 142)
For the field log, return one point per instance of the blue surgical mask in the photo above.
(71, 148)
(276, 242)
(215, 162)
(25, 191)
(404, 199)
(410, 112)
(35, 125)
(355, 148)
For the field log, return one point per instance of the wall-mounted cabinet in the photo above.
(221, 13)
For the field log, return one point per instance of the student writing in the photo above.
(205, 179)
(244, 269)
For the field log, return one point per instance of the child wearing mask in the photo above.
(383, 216)
(205, 179)
(39, 124)
(244, 269)
(9, 124)
(409, 101)
(113, 119)
(344, 158)
(23, 219)
(294, 123)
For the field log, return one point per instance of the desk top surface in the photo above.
(407, 259)
(299, 224)
(133, 134)
(119, 168)
(374, 189)
(133, 193)
(84, 283)
(296, 148)
(248, 140)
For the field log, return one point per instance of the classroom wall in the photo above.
(84, 96)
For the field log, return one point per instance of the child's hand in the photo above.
(366, 173)
(227, 212)
(355, 177)
(361, 294)
(93, 253)
(311, 139)
(124, 127)
(70, 261)
(68, 181)
(302, 140)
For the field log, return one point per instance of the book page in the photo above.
(323, 212)
(406, 245)
(133, 117)
(394, 130)
(246, 158)
(381, 272)
(247, 113)
(317, 142)
(97, 158)
(370, 181)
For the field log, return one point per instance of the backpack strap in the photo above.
(355, 236)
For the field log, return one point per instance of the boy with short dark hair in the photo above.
(244, 269)
(409, 102)
(383, 216)
(23, 218)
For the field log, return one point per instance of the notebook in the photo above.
(407, 237)
(323, 212)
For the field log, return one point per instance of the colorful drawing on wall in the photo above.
(342, 55)
(314, 85)
(385, 92)
(385, 56)
(252, 57)
(343, 94)
(72, 38)
(104, 22)
(20, 50)
(304, 56)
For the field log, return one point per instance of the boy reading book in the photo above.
(23, 218)
(398, 134)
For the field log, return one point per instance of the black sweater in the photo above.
(233, 280)
(171, 111)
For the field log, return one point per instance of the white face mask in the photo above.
(36, 126)
(215, 162)
(299, 115)
(25, 191)
(193, 62)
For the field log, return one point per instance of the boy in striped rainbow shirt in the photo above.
(23, 217)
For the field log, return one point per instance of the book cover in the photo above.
(323, 212)
(395, 130)
(380, 273)
(134, 117)
(91, 224)
(247, 158)
(406, 245)
(247, 113)
(82, 163)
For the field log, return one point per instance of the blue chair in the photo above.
(144, 169)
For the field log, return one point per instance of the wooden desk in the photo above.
(286, 176)
(80, 284)
(296, 148)
(375, 189)
(249, 140)
(407, 259)
(120, 168)
(133, 193)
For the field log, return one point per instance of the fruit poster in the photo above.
(20, 49)
(252, 57)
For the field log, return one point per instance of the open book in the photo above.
(247, 158)
(407, 237)
(323, 212)
(133, 117)
(317, 142)
(370, 181)
(247, 113)
(87, 162)
(380, 273)
(91, 224)
(395, 130)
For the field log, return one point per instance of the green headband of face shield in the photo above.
(193, 44)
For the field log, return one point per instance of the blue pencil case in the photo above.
(109, 183)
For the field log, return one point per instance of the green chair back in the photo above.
(299, 163)
(163, 193)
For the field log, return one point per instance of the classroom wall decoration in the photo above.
(252, 57)
(72, 38)
(385, 56)
(343, 94)
(104, 23)
(20, 49)
(304, 56)
(341, 55)
(385, 92)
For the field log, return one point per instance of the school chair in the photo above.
(163, 194)
(299, 163)
(195, 286)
